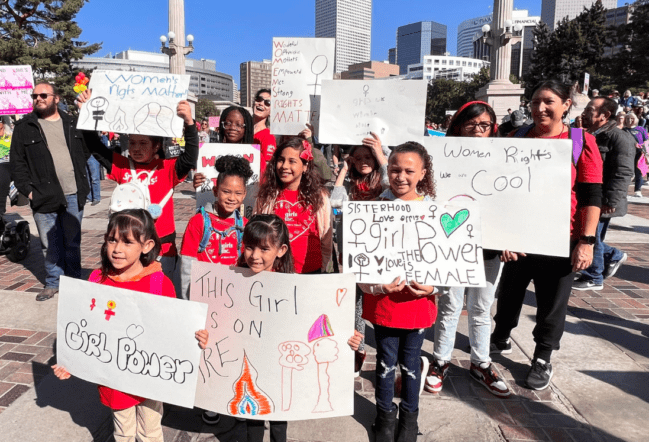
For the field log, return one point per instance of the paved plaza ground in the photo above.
(599, 392)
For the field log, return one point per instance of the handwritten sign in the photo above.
(278, 343)
(299, 67)
(214, 122)
(135, 103)
(431, 243)
(134, 342)
(209, 153)
(351, 109)
(522, 185)
(16, 85)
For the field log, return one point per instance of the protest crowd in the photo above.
(294, 226)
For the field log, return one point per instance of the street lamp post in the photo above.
(501, 93)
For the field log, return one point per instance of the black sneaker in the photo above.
(500, 348)
(210, 417)
(587, 284)
(538, 378)
(613, 267)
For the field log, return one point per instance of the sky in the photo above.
(235, 32)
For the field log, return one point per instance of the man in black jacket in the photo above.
(48, 164)
(618, 151)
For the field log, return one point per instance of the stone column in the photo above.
(177, 26)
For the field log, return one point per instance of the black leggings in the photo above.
(553, 278)
(256, 430)
(5, 180)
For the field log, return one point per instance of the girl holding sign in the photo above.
(145, 168)
(401, 313)
(295, 191)
(267, 248)
(363, 177)
(474, 119)
(128, 260)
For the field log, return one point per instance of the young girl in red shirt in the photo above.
(295, 192)
(128, 261)
(267, 248)
(159, 175)
(401, 313)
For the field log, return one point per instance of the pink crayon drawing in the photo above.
(321, 328)
(325, 351)
(294, 357)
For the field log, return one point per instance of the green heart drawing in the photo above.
(451, 224)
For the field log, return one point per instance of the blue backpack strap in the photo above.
(520, 133)
(207, 230)
(238, 225)
(577, 137)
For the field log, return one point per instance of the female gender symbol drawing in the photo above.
(318, 66)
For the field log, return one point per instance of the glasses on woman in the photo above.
(260, 99)
(482, 127)
(229, 124)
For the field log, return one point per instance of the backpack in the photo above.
(135, 194)
(208, 229)
(576, 135)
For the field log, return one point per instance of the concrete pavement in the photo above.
(599, 392)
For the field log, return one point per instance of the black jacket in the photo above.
(32, 166)
(617, 148)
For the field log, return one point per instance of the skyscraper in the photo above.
(350, 23)
(553, 11)
(416, 40)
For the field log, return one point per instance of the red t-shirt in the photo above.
(150, 281)
(589, 170)
(267, 142)
(194, 234)
(302, 229)
(163, 179)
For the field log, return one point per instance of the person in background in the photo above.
(594, 93)
(516, 120)
(5, 167)
(263, 137)
(474, 119)
(619, 119)
(577, 123)
(640, 134)
(628, 101)
(48, 164)
(552, 275)
(204, 133)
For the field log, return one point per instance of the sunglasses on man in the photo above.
(42, 96)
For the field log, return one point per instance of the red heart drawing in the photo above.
(250, 157)
(340, 295)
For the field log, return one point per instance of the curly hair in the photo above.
(135, 222)
(371, 181)
(268, 229)
(230, 165)
(248, 130)
(311, 189)
(427, 185)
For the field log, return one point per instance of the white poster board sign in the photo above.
(209, 153)
(141, 103)
(522, 185)
(134, 342)
(392, 109)
(299, 66)
(278, 343)
(431, 243)
(16, 85)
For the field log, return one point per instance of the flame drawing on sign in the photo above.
(249, 399)
(119, 123)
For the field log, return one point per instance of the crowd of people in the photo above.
(292, 230)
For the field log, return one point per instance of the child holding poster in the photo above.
(401, 313)
(160, 176)
(128, 260)
(267, 248)
(295, 191)
(363, 177)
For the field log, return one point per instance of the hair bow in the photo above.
(307, 153)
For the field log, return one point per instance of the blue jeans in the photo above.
(94, 179)
(394, 345)
(478, 304)
(603, 254)
(60, 235)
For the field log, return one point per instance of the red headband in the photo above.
(464, 106)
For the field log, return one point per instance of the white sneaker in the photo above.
(638, 194)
